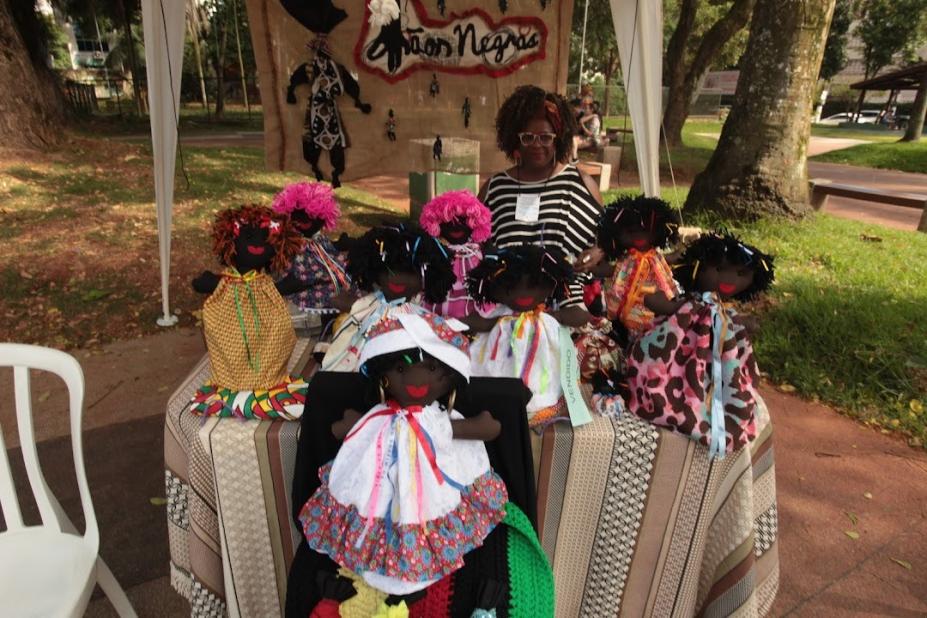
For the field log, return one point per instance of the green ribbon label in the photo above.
(569, 380)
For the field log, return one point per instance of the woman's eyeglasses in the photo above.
(544, 139)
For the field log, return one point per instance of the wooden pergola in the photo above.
(909, 78)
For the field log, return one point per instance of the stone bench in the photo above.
(821, 189)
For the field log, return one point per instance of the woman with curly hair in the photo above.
(543, 199)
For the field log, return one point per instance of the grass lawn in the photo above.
(844, 323)
(80, 263)
(902, 156)
(193, 120)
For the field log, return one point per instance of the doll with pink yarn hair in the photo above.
(312, 209)
(462, 222)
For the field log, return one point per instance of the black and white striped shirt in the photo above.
(567, 218)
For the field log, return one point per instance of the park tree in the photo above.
(601, 46)
(835, 50)
(889, 28)
(702, 32)
(32, 106)
(759, 166)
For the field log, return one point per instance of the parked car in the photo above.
(867, 116)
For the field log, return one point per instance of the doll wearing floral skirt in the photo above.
(312, 210)
(411, 490)
(694, 372)
(462, 223)
(398, 268)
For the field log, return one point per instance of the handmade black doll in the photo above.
(249, 334)
(410, 491)
(694, 372)
(631, 231)
(312, 208)
(521, 338)
(323, 128)
(397, 266)
(461, 222)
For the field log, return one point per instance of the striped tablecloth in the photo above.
(638, 521)
(228, 504)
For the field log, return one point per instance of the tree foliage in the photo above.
(835, 50)
(889, 28)
(601, 55)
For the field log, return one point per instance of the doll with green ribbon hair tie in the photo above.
(248, 331)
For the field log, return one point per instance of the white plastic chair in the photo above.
(48, 570)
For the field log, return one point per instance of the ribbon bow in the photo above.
(717, 445)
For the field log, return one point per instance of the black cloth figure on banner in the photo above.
(390, 37)
(323, 129)
(391, 126)
(437, 149)
(331, 393)
(434, 88)
(466, 110)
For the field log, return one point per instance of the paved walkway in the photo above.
(826, 466)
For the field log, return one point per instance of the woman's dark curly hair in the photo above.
(653, 214)
(523, 105)
(375, 368)
(505, 268)
(285, 239)
(399, 247)
(711, 249)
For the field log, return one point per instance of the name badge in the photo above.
(528, 207)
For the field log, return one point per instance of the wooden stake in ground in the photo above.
(759, 166)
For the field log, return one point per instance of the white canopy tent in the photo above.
(638, 29)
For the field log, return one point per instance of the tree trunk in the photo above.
(918, 110)
(681, 93)
(674, 72)
(194, 28)
(759, 167)
(32, 106)
(133, 60)
(218, 62)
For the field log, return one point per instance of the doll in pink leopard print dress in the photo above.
(694, 372)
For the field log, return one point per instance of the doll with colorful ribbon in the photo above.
(522, 338)
(248, 330)
(632, 231)
(312, 210)
(461, 222)
(398, 267)
(694, 372)
(411, 490)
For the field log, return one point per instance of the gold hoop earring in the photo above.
(383, 390)
(451, 400)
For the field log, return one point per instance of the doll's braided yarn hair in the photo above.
(711, 248)
(651, 213)
(286, 240)
(505, 268)
(454, 205)
(316, 199)
(398, 247)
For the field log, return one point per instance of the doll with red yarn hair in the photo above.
(462, 223)
(248, 331)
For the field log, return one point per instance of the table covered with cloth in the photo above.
(638, 521)
(234, 487)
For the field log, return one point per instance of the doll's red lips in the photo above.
(256, 249)
(524, 301)
(726, 288)
(455, 233)
(396, 287)
(640, 242)
(417, 391)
